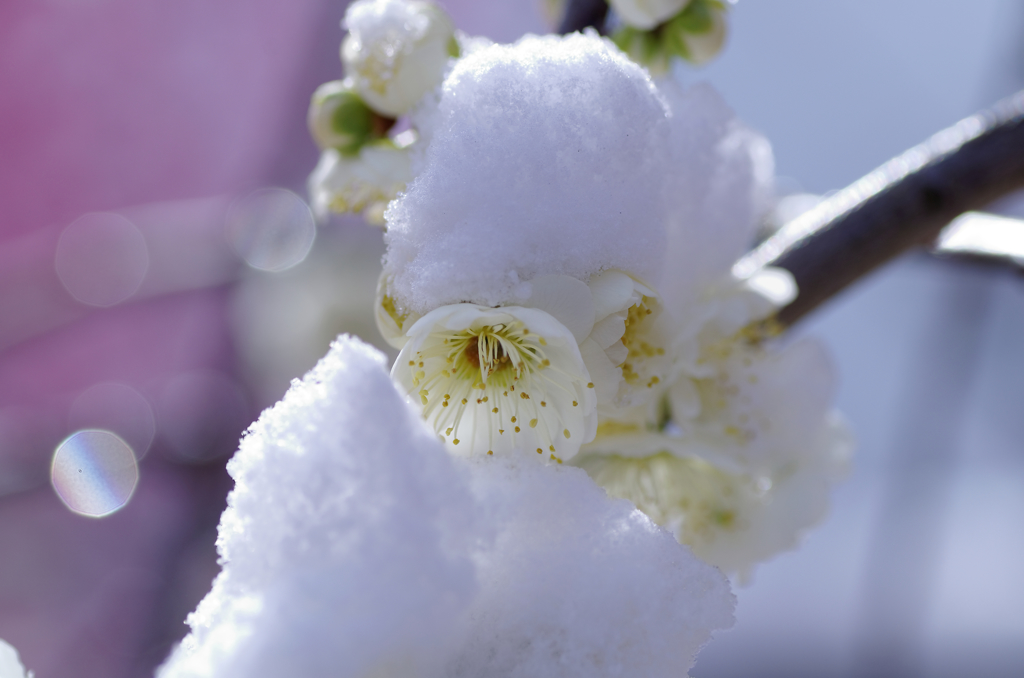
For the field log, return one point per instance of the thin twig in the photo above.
(580, 14)
(902, 204)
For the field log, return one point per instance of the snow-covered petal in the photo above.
(499, 381)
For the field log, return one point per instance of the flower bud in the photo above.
(365, 181)
(396, 51)
(339, 118)
(647, 14)
(698, 33)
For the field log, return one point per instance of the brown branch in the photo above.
(902, 204)
(580, 14)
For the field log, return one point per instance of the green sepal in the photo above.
(354, 119)
(696, 18)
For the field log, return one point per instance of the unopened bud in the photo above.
(396, 51)
(339, 118)
(646, 14)
(698, 33)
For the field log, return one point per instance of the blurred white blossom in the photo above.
(10, 665)
(364, 183)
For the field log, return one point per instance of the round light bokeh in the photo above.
(118, 408)
(101, 259)
(94, 472)
(272, 229)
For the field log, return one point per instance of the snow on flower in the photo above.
(396, 51)
(740, 446)
(354, 545)
(548, 157)
(505, 224)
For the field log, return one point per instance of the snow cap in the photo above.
(548, 157)
(353, 545)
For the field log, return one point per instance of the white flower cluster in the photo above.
(558, 279)
(353, 545)
(395, 53)
(739, 451)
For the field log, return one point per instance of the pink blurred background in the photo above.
(160, 116)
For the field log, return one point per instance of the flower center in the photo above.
(487, 352)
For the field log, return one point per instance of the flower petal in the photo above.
(612, 291)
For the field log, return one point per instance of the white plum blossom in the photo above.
(647, 14)
(615, 321)
(396, 51)
(738, 452)
(353, 545)
(745, 466)
(499, 381)
(364, 183)
(558, 281)
(731, 517)
(633, 334)
(10, 665)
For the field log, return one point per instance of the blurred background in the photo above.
(161, 279)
